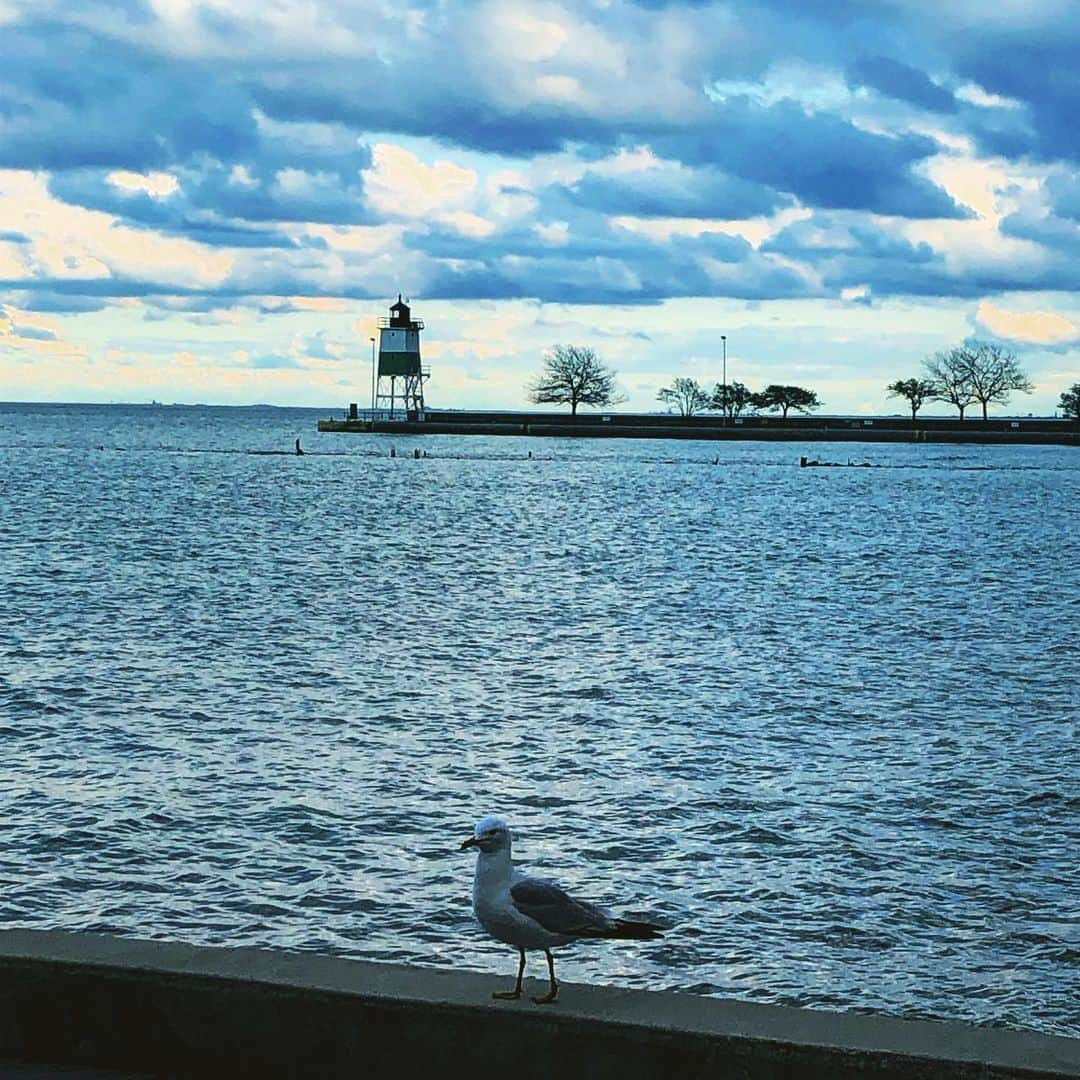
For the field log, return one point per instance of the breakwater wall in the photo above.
(657, 426)
(168, 1009)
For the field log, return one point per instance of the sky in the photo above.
(214, 200)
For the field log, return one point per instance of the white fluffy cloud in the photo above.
(1029, 327)
(400, 185)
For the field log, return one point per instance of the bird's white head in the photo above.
(490, 834)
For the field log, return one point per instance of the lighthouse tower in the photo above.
(401, 376)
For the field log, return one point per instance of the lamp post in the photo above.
(373, 379)
(727, 404)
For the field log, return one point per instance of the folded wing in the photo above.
(559, 913)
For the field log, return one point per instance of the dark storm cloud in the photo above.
(664, 192)
(827, 11)
(212, 205)
(75, 98)
(589, 235)
(901, 81)
(660, 5)
(612, 244)
(58, 303)
(87, 289)
(608, 265)
(551, 280)
(847, 253)
(90, 88)
(1035, 66)
(1055, 227)
(822, 159)
(429, 110)
(1058, 234)
(828, 235)
(1064, 195)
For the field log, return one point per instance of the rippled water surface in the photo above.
(823, 722)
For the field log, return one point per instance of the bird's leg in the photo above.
(513, 995)
(553, 993)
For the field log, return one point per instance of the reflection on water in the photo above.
(824, 722)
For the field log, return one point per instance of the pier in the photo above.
(1004, 430)
(128, 1007)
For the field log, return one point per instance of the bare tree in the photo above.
(1070, 402)
(915, 390)
(994, 372)
(948, 372)
(573, 375)
(786, 397)
(686, 394)
(977, 371)
(731, 399)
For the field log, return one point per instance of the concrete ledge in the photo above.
(164, 1008)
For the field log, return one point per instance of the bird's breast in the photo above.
(489, 902)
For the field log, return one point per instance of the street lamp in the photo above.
(372, 378)
(727, 404)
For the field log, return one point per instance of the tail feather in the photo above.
(634, 931)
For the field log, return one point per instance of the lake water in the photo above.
(823, 722)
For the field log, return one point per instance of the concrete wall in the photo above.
(598, 418)
(176, 1010)
(1047, 432)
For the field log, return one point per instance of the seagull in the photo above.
(531, 913)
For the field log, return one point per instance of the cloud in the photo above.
(58, 303)
(901, 81)
(669, 189)
(1048, 230)
(319, 346)
(77, 98)
(274, 360)
(890, 258)
(399, 185)
(1063, 195)
(1022, 66)
(207, 204)
(857, 260)
(612, 265)
(28, 335)
(71, 248)
(627, 152)
(175, 172)
(821, 159)
(1029, 327)
(974, 94)
(157, 185)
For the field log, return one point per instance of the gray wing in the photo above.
(557, 912)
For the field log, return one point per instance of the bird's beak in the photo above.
(471, 842)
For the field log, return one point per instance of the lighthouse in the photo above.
(401, 376)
